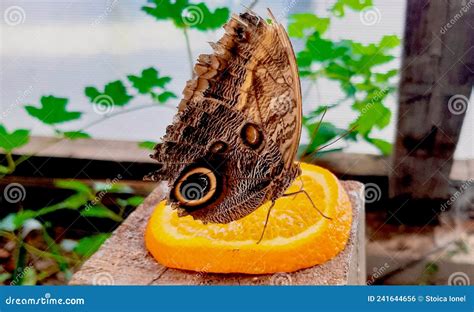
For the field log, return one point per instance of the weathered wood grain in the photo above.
(435, 84)
(123, 259)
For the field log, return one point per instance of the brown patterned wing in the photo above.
(271, 90)
(232, 144)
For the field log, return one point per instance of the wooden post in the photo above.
(435, 85)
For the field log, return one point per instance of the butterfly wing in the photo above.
(232, 144)
(271, 91)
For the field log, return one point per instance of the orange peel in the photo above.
(297, 235)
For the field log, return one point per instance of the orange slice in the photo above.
(297, 236)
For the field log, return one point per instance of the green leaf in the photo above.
(357, 5)
(4, 170)
(29, 276)
(135, 201)
(383, 146)
(114, 94)
(147, 145)
(188, 15)
(338, 72)
(11, 140)
(302, 23)
(383, 77)
(75, 135)
(74, 185)
(351, 64)
(374, 114)
(165, 96)
(389, 42)
(348, 88)
(319, 49)
(21, 216)
(87, 246)
(74, 202)
(4, 277)
(100, 212)
(304, 59)
(52, 111)
(365, 56)
(148, 80)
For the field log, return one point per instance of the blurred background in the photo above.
(64, 46)
(88, 87)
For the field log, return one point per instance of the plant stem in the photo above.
(20, 264)
(11, 163)
(87, 126)
(188, 49)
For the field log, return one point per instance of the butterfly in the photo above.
(232, 144)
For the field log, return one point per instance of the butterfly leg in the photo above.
(301, 188)
(266, 222)
(309, 198)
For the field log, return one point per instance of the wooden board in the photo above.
(123, 259)
(112, 154)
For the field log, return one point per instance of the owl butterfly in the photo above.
(233, 142)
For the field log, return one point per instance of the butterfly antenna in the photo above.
(272, 16)
(352, 129)
(266, 222)
(316, 130)
(250, 7)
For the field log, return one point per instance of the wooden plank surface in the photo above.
(351, 164)
(123, 259)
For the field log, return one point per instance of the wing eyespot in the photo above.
(251, 135)
(196, 187)
(218, 147)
